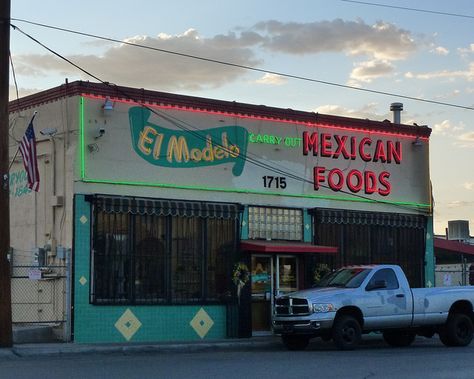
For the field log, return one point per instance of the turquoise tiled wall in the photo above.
(429, 255)
(95, 324)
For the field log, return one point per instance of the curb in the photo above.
(61, 349)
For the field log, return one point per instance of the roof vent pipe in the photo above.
(397, 109)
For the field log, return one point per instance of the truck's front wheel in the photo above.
(458, 330)
(346, 332)
(295, 342)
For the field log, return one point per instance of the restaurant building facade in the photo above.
(186, 216)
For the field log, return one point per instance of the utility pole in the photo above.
(5, 277)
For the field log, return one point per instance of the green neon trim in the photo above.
(81, 136)
(188, 187)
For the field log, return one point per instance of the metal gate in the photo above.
(39, 294)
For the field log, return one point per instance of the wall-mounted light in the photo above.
(48, 132)
(417, 142)
(108, 105)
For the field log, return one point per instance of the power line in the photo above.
(409, 9)
(183, 125)
(245, 67)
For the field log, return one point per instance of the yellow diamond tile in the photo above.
(83, 280)
(83, 219)
(201, 323)
(128, 324)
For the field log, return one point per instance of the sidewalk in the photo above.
(51, 349)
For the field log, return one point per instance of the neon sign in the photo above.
(270, 139)
(351, 148)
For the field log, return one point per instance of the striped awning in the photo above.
(349, 217)
(163, 207)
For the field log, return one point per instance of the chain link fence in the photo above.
(39, 294)
(456, 274)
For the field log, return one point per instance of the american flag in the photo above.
(28, 152)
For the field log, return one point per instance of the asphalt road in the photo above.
(424, 359)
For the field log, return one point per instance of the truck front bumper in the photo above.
(316, 324)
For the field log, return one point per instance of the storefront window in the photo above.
(275, 223)
(111, 264)
(153, 259)
(186, 259)
(374, 238)
(150, 258)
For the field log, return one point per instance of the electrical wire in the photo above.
(244, 67)
(183, 125)
(409, 9)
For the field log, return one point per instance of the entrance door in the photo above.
(262, 299)
(286, 274)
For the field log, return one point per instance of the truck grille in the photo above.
(287, 306)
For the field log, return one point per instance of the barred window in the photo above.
(154, 259)
(275, 223)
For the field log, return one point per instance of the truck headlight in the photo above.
(323, 308)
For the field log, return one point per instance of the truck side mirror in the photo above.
(376, 284)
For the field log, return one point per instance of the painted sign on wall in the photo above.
(187, 148)
(18, 184)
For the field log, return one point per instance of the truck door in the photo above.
(391, 305)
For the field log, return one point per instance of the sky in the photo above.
(424, 55)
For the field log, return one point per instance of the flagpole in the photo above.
(13, 160)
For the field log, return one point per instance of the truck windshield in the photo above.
(346, 277)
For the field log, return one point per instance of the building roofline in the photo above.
(453, 246)
(113, 91)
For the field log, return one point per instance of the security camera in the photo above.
(101, 132)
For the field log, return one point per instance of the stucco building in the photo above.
(162, 202)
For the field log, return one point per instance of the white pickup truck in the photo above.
(363, 299)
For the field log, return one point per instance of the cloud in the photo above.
(445, 74)
(464, 51)
(439, 50)
(469, 186)
(446, 127)
(367, 111)
(21, 92)
(460, 204)
(381, 41)
(467, 139)
(368, 71)
(272, 79)
(128, 65)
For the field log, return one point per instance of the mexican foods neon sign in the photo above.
(352, 148)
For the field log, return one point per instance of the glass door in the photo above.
(287, 274)
(262, 299)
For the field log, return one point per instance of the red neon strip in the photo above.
(260, 118)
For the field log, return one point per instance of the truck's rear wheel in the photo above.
(295, 342)
(458, 330)
(397, 338)
(346, 332)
